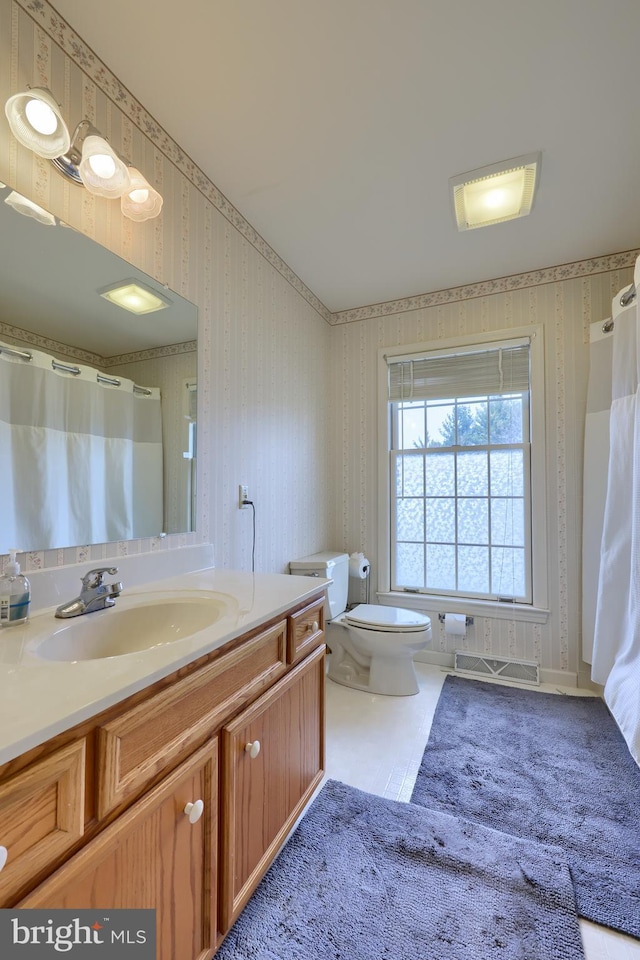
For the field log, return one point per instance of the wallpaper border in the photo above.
(77, 50)
(484, 288)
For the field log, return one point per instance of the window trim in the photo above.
(539, 583)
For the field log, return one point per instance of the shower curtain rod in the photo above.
(66, 368)
(625, 300)
(628, 296)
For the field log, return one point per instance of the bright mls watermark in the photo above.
(79, 934)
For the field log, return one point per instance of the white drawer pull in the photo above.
(253, 749)
(194, 811)
(4, 854)
(315, 626)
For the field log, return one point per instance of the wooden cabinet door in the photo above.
(263, 795)
(153, 857)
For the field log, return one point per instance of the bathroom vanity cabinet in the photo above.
(179, 797)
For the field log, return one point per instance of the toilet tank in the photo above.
(332, 566)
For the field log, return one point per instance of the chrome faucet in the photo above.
(95, 595)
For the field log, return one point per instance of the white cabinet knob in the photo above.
(315, 626)
(194, 811)
(4, 854)
(253, 749)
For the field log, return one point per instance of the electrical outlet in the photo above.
(243, 495)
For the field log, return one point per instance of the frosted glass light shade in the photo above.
(36, 122)
(30, 209)
(140, 201)
(493, 194)
(101, 169)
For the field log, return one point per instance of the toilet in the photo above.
(372, 646)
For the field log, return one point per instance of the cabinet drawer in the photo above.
(41, 815)
(146, 740)
(306, 631)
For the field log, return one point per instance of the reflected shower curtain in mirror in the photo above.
(616, 653)
(80, 460)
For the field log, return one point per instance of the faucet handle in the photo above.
(94, 577)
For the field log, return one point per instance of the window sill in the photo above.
(430, 603)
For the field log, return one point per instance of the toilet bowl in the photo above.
(372, 646)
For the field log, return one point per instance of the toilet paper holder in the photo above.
(468, 621)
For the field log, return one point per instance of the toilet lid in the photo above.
(393, 619)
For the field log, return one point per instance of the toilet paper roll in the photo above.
(358, 566)
(455, 624)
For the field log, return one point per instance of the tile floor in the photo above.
(376, 743)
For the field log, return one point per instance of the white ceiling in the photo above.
(334, 126)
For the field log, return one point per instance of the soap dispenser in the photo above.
(15, 594)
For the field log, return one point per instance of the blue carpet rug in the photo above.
(545, 767)
(364, 878)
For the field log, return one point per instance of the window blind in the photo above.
(495, 369)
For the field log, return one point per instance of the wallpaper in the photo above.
(263, 340)
(565, 307)
(286, 390)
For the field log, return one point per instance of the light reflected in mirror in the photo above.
(97, 404)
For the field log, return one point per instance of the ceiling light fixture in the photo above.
(86, 158)
(493, 194)
(134, 296)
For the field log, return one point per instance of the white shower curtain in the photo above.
(596, 465)
(80, 460)
(616, 653)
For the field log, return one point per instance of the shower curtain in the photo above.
(616, 651)
(80, 459)
(596, 463)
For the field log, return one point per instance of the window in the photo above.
(460, 465)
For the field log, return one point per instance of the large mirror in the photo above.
(97, 404)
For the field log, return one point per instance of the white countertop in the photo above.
(41, 698)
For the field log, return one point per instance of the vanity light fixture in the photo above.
(140, 201)
(86, 158)
(134, 296)
(36, 122)
(498, 192)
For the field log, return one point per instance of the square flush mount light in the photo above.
(501, 191)
(134, 296)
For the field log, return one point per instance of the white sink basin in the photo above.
(135, 623)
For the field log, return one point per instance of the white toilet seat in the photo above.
(369, 616)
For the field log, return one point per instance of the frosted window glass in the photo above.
(410, 564)
(508, 572)
(473, 569)
(473, 520)
(473, 479)
(507, 522)
(410, 519)
(410, 475)
(507, 478)
(441, 520)
(441, 566)
(440, 474)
